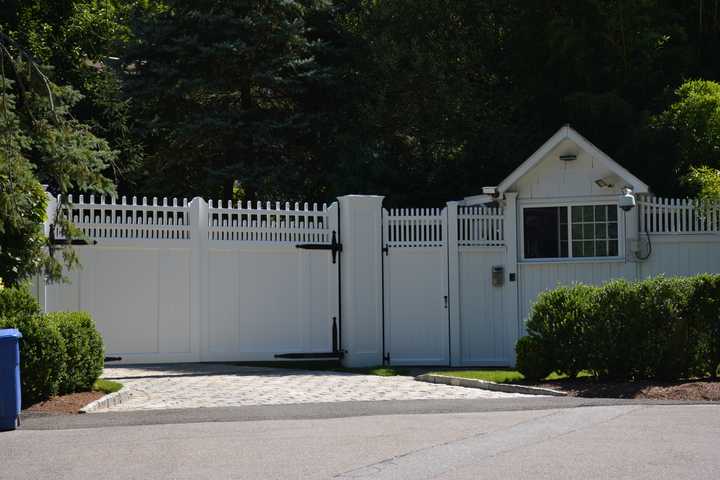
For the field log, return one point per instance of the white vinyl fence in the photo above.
(177, 280)
(187, 281)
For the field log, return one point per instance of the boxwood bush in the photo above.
(659, 328)
(84, 354)
(59, 352)
(42, 357)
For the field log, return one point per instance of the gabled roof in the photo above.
(567, 132)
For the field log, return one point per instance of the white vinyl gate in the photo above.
(441, 306)
(415, 287)
(192, 281)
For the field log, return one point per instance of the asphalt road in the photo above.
(546, 439)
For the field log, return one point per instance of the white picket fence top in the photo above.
(288, 223)
(481, 227)
(174, 219)
(120, 218)
(414, 227)
(678, 216)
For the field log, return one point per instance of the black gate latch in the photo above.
(333, 246)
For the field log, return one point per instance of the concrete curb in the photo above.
(108, 400)
(485, 385)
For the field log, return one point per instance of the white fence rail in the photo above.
(480, 226)
(123, 219)
(678, 216)
(173, 219)
(415, 227)
(271, 223)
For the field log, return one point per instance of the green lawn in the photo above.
(499, 376)
(106, 386)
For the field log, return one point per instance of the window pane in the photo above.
(564, 249)
(601, 248)
(600, 230)
(577, 214)
(613, 248)
(588, 213)
(562, 212)
(600, 213)
(542, 232)
(577, 249)
(612, 230)
(577, 232)
(612, 212)
(588, 231)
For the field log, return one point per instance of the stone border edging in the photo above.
(108, 400)
(486, 385)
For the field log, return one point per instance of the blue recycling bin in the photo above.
(9, 378)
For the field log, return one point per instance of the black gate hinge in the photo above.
(386, 250)
(334, 246)
(386, 358)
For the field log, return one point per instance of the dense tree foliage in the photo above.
(420, 100)
(41, 142)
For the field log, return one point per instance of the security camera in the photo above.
(627, 200)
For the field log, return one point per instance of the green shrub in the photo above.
(59, 352)
(613, 330)
(42, 357)
(663, 328)
(705, 314)
(18, 302)
(84, 350)
(532, 360)
(559, 319)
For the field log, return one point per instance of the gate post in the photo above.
(198, 221)
(451, 241)
(361, 279)
(515, 324)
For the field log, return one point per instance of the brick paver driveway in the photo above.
(222, 385)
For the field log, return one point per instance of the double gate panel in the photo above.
(187, 281)
(415, 287)
(264, 295)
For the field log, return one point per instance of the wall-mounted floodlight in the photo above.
(602, 183)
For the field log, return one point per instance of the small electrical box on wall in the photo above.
(498, 275)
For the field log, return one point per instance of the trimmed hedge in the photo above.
(84, 354)
(59, 352)
(660, 328)
(42, 357)
(18, 302)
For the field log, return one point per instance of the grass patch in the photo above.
(500, 376)
(331, 366)
(106, 386)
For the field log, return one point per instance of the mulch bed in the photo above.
(692, 390)
(68, 404)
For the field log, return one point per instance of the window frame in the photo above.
(568, 204)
